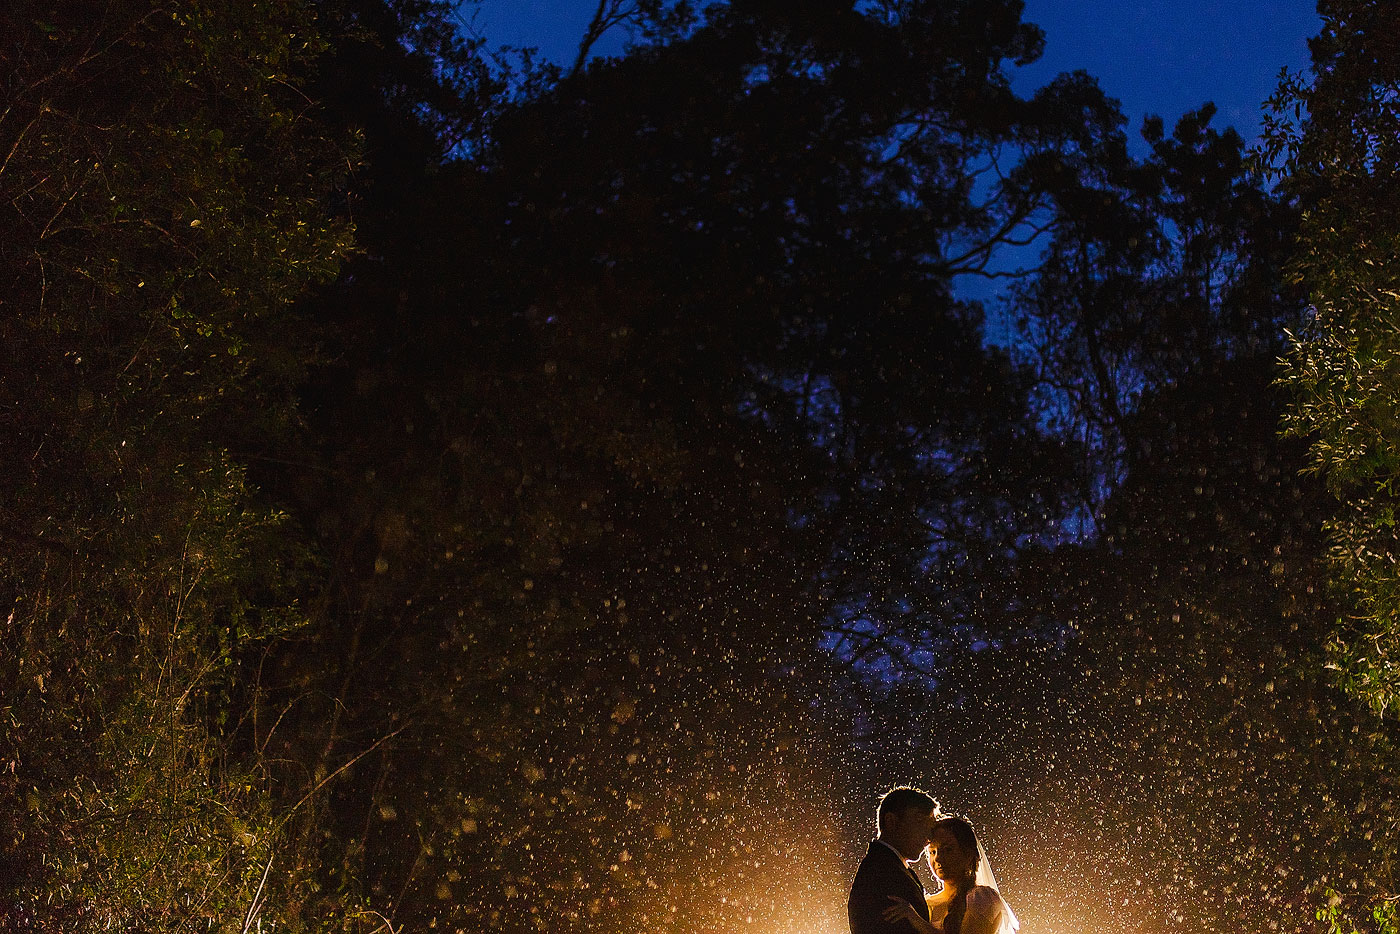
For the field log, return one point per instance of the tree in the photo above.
(1339, 161)
(1157, 269)
(1334, 137)
(165, 198)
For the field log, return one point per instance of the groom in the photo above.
(904, 821)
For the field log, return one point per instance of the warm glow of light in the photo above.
(823, 916)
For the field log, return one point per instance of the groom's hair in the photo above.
(901, 799)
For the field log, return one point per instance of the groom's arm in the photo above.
(869, 900)
(866, 917)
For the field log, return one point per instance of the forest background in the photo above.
(450, 491)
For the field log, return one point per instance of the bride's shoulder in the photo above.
(984, 897)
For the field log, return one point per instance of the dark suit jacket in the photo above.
(882, 874)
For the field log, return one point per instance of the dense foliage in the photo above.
(1335, 136)
(164, 202)
(1340, 155)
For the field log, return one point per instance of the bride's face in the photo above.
(948, 859)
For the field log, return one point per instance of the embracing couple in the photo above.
(887, 896)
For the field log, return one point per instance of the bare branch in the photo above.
(610, 13)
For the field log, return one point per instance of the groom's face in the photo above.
(910, 832)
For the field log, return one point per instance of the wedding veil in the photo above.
(1010, 924)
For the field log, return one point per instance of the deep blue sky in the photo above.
(1171, 56)
(1162, 57)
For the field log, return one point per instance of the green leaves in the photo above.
(1342, 915)
(165, 197)
(1334, 137)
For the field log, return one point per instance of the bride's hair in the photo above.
(961, 830)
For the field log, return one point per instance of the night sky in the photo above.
(1155, 58)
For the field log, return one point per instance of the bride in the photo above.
(969, 902)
